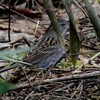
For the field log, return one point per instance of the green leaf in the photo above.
(95, 20)
(98, 1)
(91, 35)
(1, 79)
(65, 64)
(7, 52)
(50, 11)
(74, 40)
(4, 87)
(5, 58)
(74, 43)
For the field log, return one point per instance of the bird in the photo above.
(48, 51)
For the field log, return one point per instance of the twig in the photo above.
(29, 95)
(64, 78)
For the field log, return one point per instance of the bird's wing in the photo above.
(42, 50)
(51, 60)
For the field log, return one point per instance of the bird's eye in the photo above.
(63, 24)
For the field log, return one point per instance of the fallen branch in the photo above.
(64, 78)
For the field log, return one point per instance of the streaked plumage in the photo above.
(48, 50)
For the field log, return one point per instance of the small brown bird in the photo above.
(48, 51)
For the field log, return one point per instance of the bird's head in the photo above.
(63, 25)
